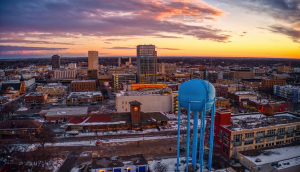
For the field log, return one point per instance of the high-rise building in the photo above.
(146, 64)
(55, 61)
(93, 60)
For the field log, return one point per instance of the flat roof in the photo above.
(84, 94)
(251, 121)
(83, 81)
(67, 111)
(118, 161)
(283, 154)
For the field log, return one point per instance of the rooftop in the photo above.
(35, 94)
(67, 111)
(84, 94)
(20, 124)
(118, 161)
(282, 155)
(143, 92)
(244, 122)
(83, 81)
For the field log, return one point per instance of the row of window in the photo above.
(272, 132)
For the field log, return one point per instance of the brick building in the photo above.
(222, 103)
(36, 97)
(20, 127)
(83, 85)
(134, 120)
(253, 131)
(84, 97)
(268, 84)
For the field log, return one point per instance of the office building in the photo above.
(118, 79)
(93, 60)
(167, 68)
(65, 74)
(235, 133)
(146, 64)
(55, 61)
(124, 61)
(83, 85)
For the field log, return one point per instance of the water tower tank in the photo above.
(196, 90)
(268, 110)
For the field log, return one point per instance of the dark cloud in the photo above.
(287, 11)
(292, 33)
(121, 48)
(4, 48)
(166, 36)
(77, 18)
(32, 42)
(170, 48)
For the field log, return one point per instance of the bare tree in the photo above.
(42, 160)
(160, 167)
(45, 135)
(8, 151)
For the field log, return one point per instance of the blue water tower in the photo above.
(198, 96)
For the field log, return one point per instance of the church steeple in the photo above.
(22, 86)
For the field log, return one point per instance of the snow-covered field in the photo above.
(93, 142)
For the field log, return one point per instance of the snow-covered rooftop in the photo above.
(282, 155)
(67, 111)
(244, 122)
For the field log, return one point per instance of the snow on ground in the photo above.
(57, 163)
(93, 142)
(277, 154)
(171, 164)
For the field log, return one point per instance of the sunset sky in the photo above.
(221, 28)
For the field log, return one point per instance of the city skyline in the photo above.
(216, 28)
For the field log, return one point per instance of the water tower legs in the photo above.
(178, 137)
(201, 142)
(195, 138)
(188, 138)
(211, 136)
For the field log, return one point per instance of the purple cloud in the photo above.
(5, 48)
(76, 18)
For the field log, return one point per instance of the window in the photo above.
(226, 135)
(298, 128)
(291, 129)
(249, 135)
(270, 138)
(290, 135)
(281, 130)
(226, 142)
(248, 142)
(280, 137)
(237, 137)
(271, 132)
(260, 134)
(259, 140)
(225, 150)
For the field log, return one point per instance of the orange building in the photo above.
(141, 86)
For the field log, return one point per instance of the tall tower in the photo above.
(22, 86)
(55, 61)
(93, 60)
(146, 63)
(135, 111)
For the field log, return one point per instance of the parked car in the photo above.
(54, 104)
(98, 143)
